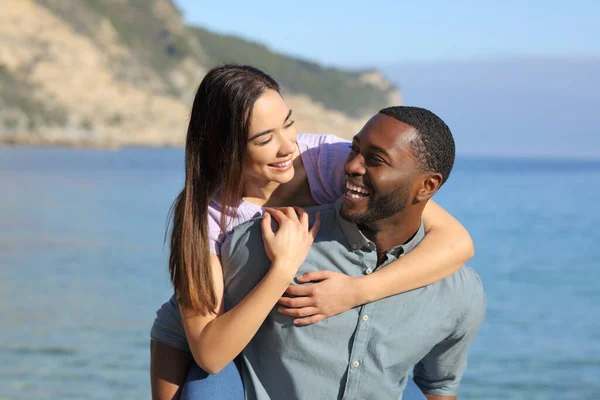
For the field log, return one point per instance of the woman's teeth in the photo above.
(282, 164)
(356, 192)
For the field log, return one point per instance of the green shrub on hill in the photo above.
(138, 28)
(337, 89)
(159, 40)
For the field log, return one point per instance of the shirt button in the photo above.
(368, 271)
(354, 246)
(356, 364)
(365, 317)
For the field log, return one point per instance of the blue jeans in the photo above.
(227, 385)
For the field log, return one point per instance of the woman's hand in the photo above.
(288, 247)
(332, 294)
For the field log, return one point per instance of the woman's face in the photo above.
(271, 142)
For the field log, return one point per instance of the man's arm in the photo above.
(439, 373)
(436, 397)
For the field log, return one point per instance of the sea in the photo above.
(83, 268)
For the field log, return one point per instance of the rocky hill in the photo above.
(123, 72)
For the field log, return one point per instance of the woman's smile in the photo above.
(282, 166)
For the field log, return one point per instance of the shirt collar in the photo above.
(358, 241)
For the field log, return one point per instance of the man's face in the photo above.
(381, 171)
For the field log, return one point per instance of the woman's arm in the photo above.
(216, 339)
(446, 247)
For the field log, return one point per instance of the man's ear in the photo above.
(430, 184)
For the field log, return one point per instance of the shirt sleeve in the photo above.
(324, 158)
(168, 326)
(215, 236)
(442, 369)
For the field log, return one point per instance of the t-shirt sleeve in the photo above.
(215, 237)
(168, 326)
(324, 158)
(442, 369)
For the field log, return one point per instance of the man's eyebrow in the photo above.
(289, 114)
(372, 147)
(378, 149)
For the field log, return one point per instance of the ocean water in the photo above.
(83, 269)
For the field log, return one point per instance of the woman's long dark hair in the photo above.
(215, 148)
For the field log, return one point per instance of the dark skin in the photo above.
(436, 397)
(380, 171)
(382, 161)
(170, 378)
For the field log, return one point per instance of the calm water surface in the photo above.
(83, 270)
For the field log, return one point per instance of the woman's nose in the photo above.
(287, 146)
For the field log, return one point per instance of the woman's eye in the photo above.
(292, 122)
(266, 141)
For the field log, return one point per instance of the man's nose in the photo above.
(355, 165)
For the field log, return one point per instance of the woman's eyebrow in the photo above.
(289, 114)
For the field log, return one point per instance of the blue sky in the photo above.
(377, 33)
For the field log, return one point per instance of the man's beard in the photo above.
(381, 208)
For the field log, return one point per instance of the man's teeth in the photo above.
(283, 164)
(355, 188)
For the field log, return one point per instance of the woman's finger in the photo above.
(313, 319)
(303, 216)
(278, 215)
(299, 290)
(298, 312)
(314, 276)
(265, 224)
(291, 213)
(296, 302)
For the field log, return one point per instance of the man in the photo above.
(398, 161)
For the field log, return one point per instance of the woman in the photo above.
(242, 157)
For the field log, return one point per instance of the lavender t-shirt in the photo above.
(324, 159)
(323, 156)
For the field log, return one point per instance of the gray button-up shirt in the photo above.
(364, 353)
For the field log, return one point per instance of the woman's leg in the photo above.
(412, 391)
(168, 369)
(226, 385)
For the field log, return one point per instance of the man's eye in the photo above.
(375, 160)
(353, 148)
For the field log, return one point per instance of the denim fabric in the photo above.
(226, 385)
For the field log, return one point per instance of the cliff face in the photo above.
(124, 72)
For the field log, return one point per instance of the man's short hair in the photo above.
(434, 145)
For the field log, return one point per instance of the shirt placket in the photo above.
(361, 337)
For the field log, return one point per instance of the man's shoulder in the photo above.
(249, 233)
(463, 288)
(466, 276)
(467, 294)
